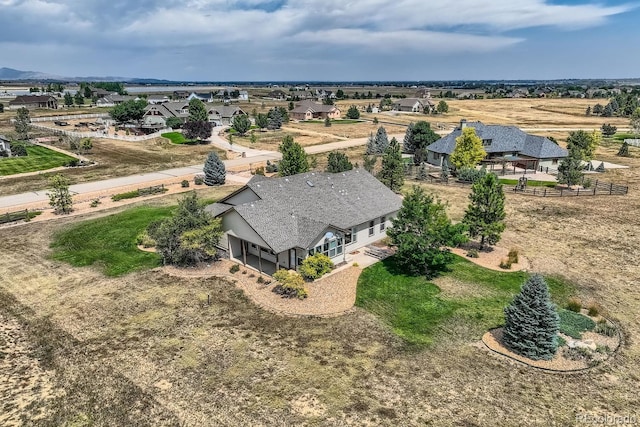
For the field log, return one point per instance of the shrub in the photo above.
(290, 284)
(471, 174)
(127, 195)
(198, 179)
(574, 305)
(72, 163)
(272, 167)
(603, 327)
(252, 275)
(95, 203)
(259, 171)
(513, 256)
(18, 149)
(184, 183)
(473, 253)
(143, 239)
(577, 353)
(260, 279)
(315, 266)
(355, 264)
(593, 309)
(505, 264)
(574, 324)
(561, 341)
(244, 271)
(234, 269)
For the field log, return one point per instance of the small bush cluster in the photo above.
(574, 324)
(605, 328)
(259, 171)
(184, 183)
(290, 284)
(198, 179)
(234, 269)
(139, 192)
(143, 239)
(471, 174)
(512, 258)
(315, 266)
(272, 167)
(574, 305)
(95, 203)
(473, 253)
(593, 309)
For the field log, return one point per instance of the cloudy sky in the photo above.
(262, 40)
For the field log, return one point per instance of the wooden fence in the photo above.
(599, 188)
(24, 214)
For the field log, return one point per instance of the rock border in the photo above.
(524, 362)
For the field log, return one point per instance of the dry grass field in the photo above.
(81, 349)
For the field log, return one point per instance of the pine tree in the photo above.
(275, 119)
(214, 170)
(369, 163)
(353, 113)
(468, 151)
(485, 215)
(60, 197)
(392, 173)
(338, 162)
(570, 168)
(381, 140)
(422, 173)
(407, 143)
(444, 173)
(531, 322)
(294, 159)
(22, 123)
(68, 99)
(624, 150)
(197, 125)
(327, 122)
(197, 111)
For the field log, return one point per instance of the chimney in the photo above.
(463, 123)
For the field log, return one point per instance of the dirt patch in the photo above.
(491, 259)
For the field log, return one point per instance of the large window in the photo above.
(383, 221)
(351, 236)
(331, 248)
(372, 230)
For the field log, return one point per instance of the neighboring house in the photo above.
(243, 96)
(156, 115)
(277, 94)
(180, 94)
(5, 145)
(204, 97)
(414, 105)
(423, 93)
(321, 94)
(32, 102)
(99, 93)
(308, 110)
(113, 100)
(502, 144)
(299, 95)
(274, 223)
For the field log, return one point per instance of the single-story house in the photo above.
(157, 99)
(274, 223)
(414, 105)
(277, 94)
(32, 102)
(308, 110)
(155, 115)
(423, 93)
(5, 145)
(180, 94)
(99, 92)
(204, 97)
(502, 143)
(113, 100)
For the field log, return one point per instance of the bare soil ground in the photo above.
(157, 354)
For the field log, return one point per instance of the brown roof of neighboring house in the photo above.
(305, 106)
(31, 99)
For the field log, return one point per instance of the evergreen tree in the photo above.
(407, 143)
(214, 170)
(369, 163)
(378, 144)
(570, 168)
(532, 322)
(369, 109)
(598, 109)
(338, 162)
(392, 173)
(294, 159)
(608, 111)
(60, 197)
(371, 145)
(275, 119)
(422, 232)
(468, 151)
(78, 98)
(353, 113)
(22, 123)
(634, 123)
(442, 107)
(624, 150)
(608, 130)
(588, 111)
(197, 126)
(262, 121)
(327, 122)
(445, 172)
(197, 111)
(422, 173)
(485, 215)
(585, 142)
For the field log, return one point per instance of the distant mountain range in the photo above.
(11, 74)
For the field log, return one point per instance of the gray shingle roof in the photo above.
(504, 139)
(307, 105)
(293, 211)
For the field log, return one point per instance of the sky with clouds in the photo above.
(269, 40)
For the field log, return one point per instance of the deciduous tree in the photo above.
(608, 130)
(241, 124)
(468, 151)
(570, 168)
(128, 111)
(353, 113)
(442, 107)
(59, 196)
(585, 142)
(422, 231)
(532, 322)
(485, 214)
(338, 162)
(68, 99)
(262, 121)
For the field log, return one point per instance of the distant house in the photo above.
(502, 144)
(277, 94)
(243, 96)
(423, 93)
(308, 110)
(274, 223)
(203, 96)
(222, 115)
(157, 99)
(299, 95)
(414, 105)
(322, 94)
(32, 102)
(113, 100)
(99, 93)
(180, 94)
(5, 145)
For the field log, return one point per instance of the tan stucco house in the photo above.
(309, 110)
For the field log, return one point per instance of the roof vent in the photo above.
(310, 184)
(286, 179)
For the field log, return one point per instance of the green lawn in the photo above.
(418, 312)
(177, 138)
(623, 136)
(38, 159)
(110, 241)
(530, 183)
